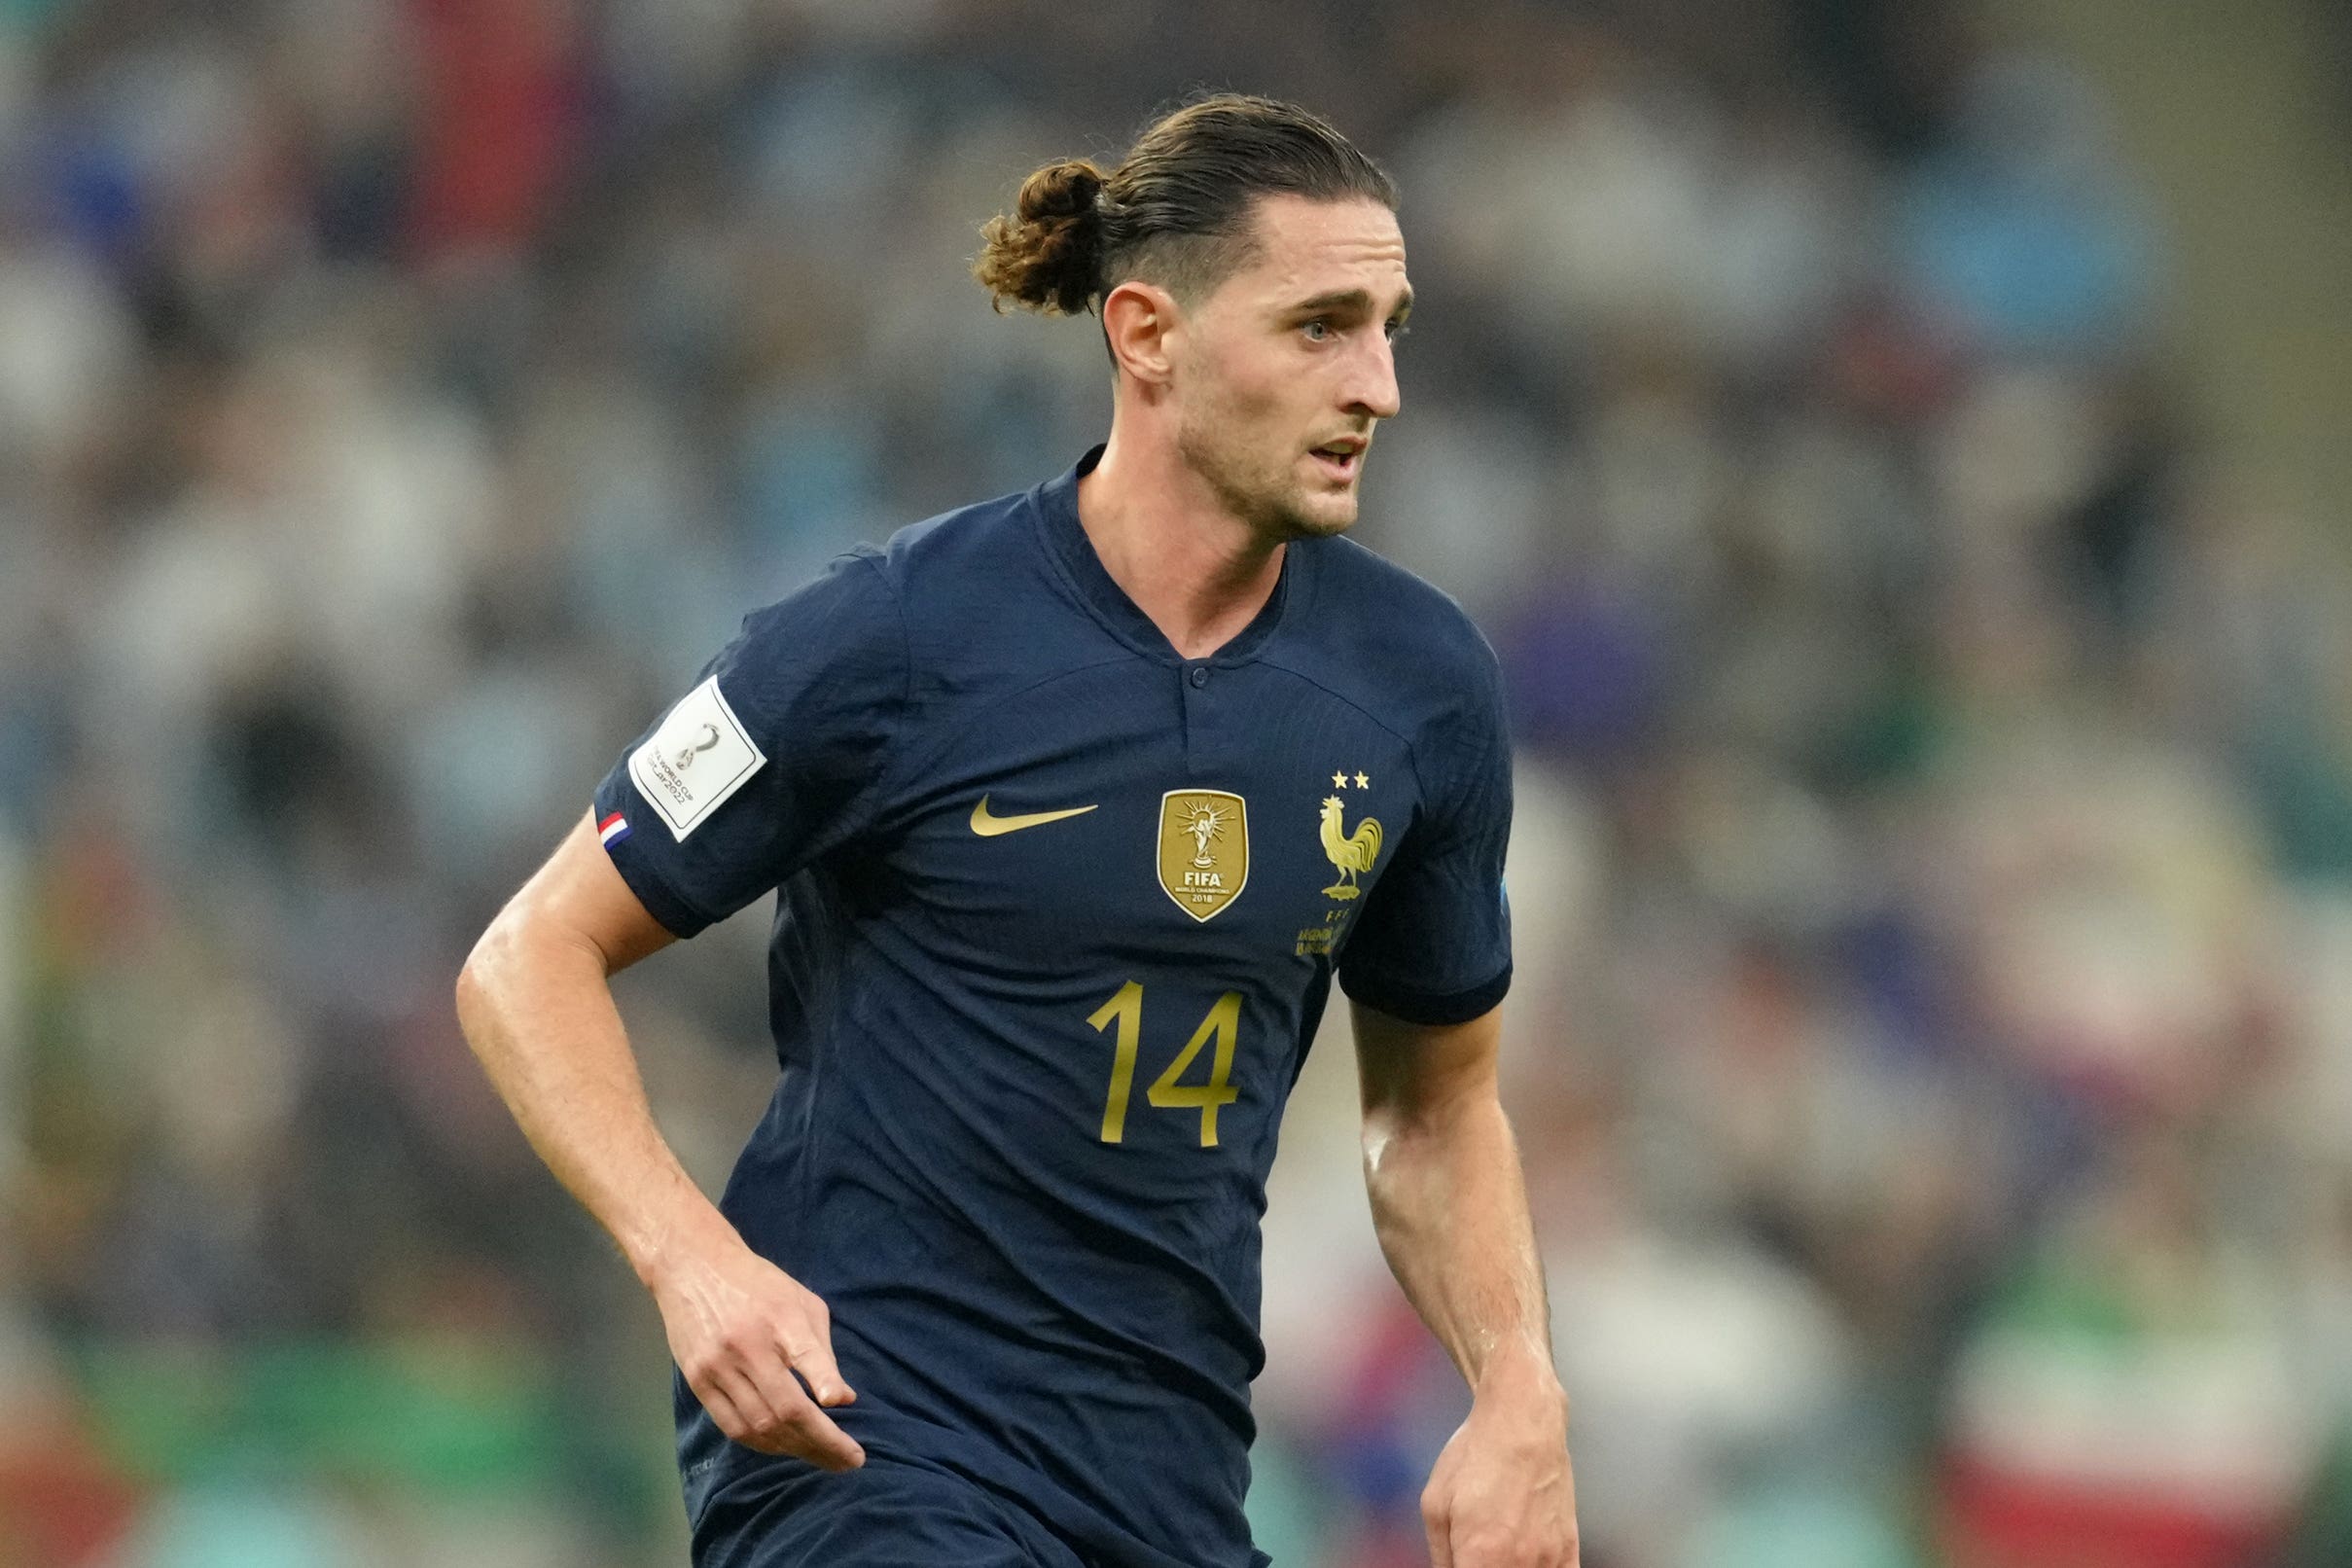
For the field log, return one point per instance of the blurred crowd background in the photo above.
(1933, 1040)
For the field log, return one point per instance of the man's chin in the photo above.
(1319, 516)
(1324, 527)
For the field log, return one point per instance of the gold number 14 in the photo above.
(1223, 1025)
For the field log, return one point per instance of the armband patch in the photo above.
(699, 756)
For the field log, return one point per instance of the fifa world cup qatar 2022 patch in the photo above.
(698, 757)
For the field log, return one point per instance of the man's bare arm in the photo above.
(1449, 1204)
(536, 1005)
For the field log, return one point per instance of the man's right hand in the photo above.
(536, 1003)
(739, 1327)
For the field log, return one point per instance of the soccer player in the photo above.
(1075, 801)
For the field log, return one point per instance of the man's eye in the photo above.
(1397, 330)
(1317, 331)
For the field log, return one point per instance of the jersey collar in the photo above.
(1055, 504)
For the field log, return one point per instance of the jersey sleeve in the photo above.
(771, 759)
(1433, 944)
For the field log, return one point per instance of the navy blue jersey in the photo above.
(1058, 915)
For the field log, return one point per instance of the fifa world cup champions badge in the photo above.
(1204, 849)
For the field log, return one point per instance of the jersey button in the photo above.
(1200, 675)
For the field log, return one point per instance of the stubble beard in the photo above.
(1264, 497)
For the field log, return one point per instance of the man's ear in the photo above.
(1139, 320)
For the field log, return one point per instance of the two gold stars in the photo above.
(1339, 781)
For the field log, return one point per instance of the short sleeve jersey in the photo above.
(1058, 913)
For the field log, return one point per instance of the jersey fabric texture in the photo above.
(1058, 913)
(882, 1515)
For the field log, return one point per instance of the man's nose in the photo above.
(1372, 379)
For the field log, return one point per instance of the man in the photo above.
(1076, 802)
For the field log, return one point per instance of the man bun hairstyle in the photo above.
(1177, 209)
(1048, 256)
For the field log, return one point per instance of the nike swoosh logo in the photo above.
(988, 827)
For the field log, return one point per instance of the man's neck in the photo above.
(1199, 573)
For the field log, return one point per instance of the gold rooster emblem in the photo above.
(1353, 853)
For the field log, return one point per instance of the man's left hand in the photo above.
(1500, 1494)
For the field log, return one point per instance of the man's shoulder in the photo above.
(959, 603)
(1374, 627)
(957, 563)
(968, 553)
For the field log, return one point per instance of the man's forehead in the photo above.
(1307, 250)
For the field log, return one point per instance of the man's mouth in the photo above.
(1342, 458)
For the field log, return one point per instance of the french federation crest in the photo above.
(1204, 849)
(1350, 853)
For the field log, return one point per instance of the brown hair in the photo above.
(1176, 210)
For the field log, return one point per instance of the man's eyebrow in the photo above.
(1358, 299)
